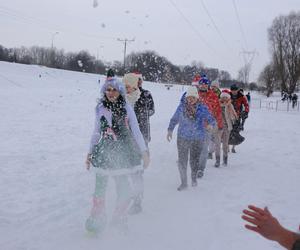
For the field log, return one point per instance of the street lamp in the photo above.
(54, 34)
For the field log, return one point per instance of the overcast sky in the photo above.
(181, 30)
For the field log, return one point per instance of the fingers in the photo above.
(251, 220)
(252, 228)
(257, 209)
(267, 211)
(253, 214)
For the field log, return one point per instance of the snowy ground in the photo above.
(45, 197)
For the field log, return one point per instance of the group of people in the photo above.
(207, 119)
(290, 97)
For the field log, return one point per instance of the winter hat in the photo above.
(225, 94)
(215, 84)
(204, 80)
(192, 91)
(195, 80)
(114, 83)
(131, 79)
(110, 73)
(234, 87)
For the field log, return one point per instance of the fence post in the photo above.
(288, 106)
(259, 103)
(276, 106)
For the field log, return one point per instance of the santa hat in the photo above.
(131, 79)
(192, 91)
(225, 94)
(195, 81)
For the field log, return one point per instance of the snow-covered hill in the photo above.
(47, 118)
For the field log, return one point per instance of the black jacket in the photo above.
(144, 108)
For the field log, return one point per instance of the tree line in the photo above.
(153, 66)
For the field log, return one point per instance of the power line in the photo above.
(214, 24)
(192, 27)
(240, 24)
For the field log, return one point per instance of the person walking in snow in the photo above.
(294, 100)
(241, 107)
(248, 96)
(142, 102)
(191, 117)
(211, 100)
(117, 147)
(229, 117)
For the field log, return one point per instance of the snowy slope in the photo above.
(45, 197)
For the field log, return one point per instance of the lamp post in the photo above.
(52, 40)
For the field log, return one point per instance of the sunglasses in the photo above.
(111, 90)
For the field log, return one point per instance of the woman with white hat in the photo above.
(191, 117)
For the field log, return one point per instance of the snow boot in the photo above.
(225, 160)
(194, 182)
(136, 206)
(217, 164)
(200, 174)
(96, 223)
(182, 187)
(183, 177)
(209, 156)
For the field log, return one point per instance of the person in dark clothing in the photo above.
(248, 97)
(142, 102)
(144, 108)
(265, 224)
(241, 107)
(294, 100)
(110, 73)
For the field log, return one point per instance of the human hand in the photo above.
(146, 159)
(169, 135)
(263, 222)
(88, 161)
(244, 114)
(209, 128)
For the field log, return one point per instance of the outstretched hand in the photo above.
(263, 222)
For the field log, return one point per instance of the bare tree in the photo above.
(243, 73)
(284, 37)
(267, 78)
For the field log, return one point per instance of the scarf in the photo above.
(133, 97)
(119, 113)
(190, 111)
